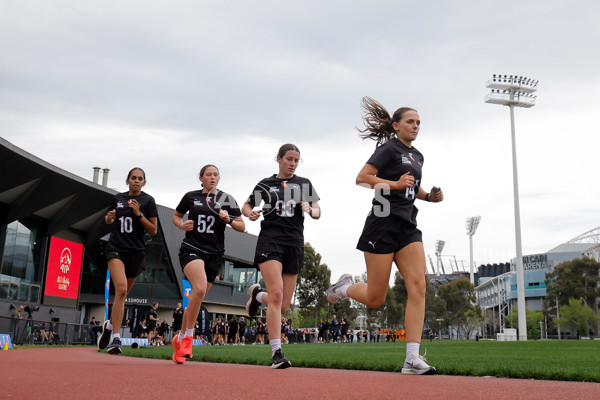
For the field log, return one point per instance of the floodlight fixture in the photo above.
(517, 93)
(472, 224)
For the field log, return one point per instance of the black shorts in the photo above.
(133, 261)
(212, 262)
(290, 257)
(385, 235)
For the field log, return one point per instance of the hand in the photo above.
(305, 207)
(133, 204)
(436, 195)
(254, 215)
(224, 215)
(111, 215)
(187, 225)
(405, 181)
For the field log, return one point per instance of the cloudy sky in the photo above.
(171, 86)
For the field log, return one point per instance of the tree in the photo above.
(532, 318)
(578, 317)
(459, 296)
(577, 279)
(313, 282)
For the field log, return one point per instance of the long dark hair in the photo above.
(377, 121)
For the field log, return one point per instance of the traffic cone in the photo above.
(5, 346)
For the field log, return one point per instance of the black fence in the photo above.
(31, 331)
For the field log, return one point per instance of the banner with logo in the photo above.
(106, 292)
(63, 272)
(187, 291)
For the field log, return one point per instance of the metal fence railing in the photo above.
(31, 331)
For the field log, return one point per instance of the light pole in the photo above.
(515, 91)
(472, 224)
(439, 246)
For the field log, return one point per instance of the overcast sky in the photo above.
(172, 86)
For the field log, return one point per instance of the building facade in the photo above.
(52, 242)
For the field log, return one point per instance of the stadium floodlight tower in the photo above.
(515, 91)
(472, 224)
(439, 246)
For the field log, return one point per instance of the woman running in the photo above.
(135, 213)
(390, 234)
(201, 252)
(280, 246)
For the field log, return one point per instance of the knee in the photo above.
(416, 287)
(121, 291)
(198, 293)
(276, 297)
(375, 301)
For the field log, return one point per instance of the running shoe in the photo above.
(279, 360)
(177, 359)
(253, 304)
(104, 339)
(114, 347)
(185, 347)
(418, 366)
(333, 294)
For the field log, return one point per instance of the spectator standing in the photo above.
(242, 330)
(152, 322)
(177, 318)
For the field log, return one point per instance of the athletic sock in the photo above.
(259, 297)
(117, 335)
(412, 348)
(180, 335)
(343, 291)
(109, 326)
(275, 345)
(189, 332)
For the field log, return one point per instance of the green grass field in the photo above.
(574, 360)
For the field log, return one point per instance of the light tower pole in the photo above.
(439, 246)
(515, 91)
(472, 224)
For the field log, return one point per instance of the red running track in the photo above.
(84, 373)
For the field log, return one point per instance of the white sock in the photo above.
(109, 326)
(117, 335)
(259, 297)
(412, 347)
(180, 335)
(189, 332)
(343, 291)
(275, 345)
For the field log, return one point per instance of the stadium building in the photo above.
(497, 295)
(52, 241)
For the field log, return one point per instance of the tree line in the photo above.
(573, 285)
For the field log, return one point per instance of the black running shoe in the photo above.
(279, 360)
(253, 304)
(104, 339)
(114, 347)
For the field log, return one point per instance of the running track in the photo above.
(84, 373)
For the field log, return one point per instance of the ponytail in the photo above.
(377, 121)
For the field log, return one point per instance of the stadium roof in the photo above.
(32, 186)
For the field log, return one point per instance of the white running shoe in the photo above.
(418, 366)
(333, 294)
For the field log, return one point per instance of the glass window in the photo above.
(242, 275)
(20, 274)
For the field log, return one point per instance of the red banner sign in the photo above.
(64, 268)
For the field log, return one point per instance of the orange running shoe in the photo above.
(177, 359)
(185, 347)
